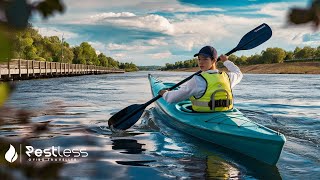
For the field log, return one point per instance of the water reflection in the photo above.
(219, 162)
(131, 146)
(135, 163)
(217, 168)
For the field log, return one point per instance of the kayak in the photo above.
(230, 129)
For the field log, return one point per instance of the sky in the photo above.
(156, 32)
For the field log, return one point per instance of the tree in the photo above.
(232, 57)
(254, 59)
(15, 15)
(89, 53)
(103, 60)
(317, 52)
(306, 52)
(241, 60)
(128, 67)
(67, 55)
(273, 55)
(296, 51)
(289, 55)
(85, 54)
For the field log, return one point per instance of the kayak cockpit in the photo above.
(186, 106)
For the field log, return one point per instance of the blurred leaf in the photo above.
(48, 7)
(17, 13)
(4, 92)
(5, 47)
(299, 15)
(305, 15)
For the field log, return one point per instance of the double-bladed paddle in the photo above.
(128, 116)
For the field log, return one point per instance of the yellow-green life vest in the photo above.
(218, 95)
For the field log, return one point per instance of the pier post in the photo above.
(45, 66)
(40, 68)
(33, 68)
(9, 73)
(50, 63)
(28, 68)
(19, 66)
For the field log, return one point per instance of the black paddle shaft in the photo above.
(183, 81)
(128, 116)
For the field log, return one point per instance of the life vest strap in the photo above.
(217, 103)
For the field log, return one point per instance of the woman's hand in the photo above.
(161, 92)
(223, 57)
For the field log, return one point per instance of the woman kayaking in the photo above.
(211, 90)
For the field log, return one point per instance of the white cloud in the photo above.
(111, 15)
(188, 9)
(119, 55)
(157, 42)
(128, 47)
(214, 30)
(56, 32)
(161, 55)
(274, 9)
(151, 22)
(172, 6)
(189, 32)
(99, 46)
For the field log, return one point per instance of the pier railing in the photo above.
(24, 69)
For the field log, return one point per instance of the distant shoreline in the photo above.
(276, 68)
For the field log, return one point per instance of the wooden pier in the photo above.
(27, 69)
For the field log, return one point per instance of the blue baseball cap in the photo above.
(208, 51)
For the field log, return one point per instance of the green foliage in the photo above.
(85, 54)
(5, 46)
(254, 59)
(39, 59)
(185, 64)
(149, 68)
(239, 60)
(289, 55)
(15, 15)
(48, 7)
(29, 44)
(68, 55)
(306, 52)
(317, 52)
(128, 67)
(270, 55)
(107, 61)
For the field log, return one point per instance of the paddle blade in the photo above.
(255, 37)
(127, 117)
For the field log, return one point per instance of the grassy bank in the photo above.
(277, 68)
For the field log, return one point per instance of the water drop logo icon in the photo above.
(11, 155)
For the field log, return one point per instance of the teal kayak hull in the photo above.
(230, 129)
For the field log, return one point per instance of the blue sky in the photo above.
(165, 31)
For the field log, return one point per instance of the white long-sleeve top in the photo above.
(196, 86)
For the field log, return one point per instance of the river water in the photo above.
(72, 112)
